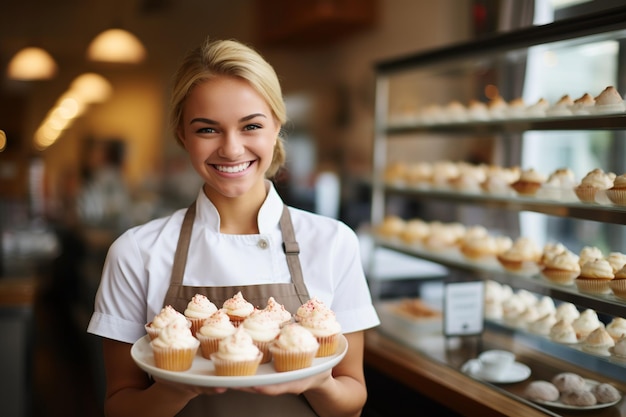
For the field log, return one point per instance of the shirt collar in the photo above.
(269, 214)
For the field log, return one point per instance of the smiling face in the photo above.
(229, 131)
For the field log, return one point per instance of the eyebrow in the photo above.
(213, 122)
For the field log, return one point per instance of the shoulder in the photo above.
(316, 224)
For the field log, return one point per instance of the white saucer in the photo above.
(517, 373)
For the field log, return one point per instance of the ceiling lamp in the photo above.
(90, 88)
(32, 63)
(116, 45)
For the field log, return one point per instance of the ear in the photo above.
(181, 137)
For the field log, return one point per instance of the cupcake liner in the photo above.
(174, 359)
(236, 320)
(328, 345)
(586, 194)
(264, 347)
(196, 323)
(285, 360)
(229, 367)
(526, 188)
(559, 276)
(593, 285)
(618, 286)
(153, 332)
(208, 345)
(617, 196)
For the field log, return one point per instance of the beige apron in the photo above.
(291, 295)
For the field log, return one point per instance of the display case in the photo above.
(451, 120)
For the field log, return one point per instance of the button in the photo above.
(263, 244)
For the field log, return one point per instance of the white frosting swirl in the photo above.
(166, 316)
(238, 306)
(261, 326)
(175, 335)
(200, 307)
(294, 337)
(597, 268)
(237, 347)
(597, 178)
(321, 323)
(218, 325)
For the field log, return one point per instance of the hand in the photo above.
(191, 389)
(293, 387)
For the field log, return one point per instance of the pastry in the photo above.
(595, 277)
(455, 112)
(516, 108)
(617, 260)
(545, 305)
(592, 183)
(391, 227)
(541, 391)
(278, 311)
(522, 254)
(217, 327)
(395, 172)
(237, 355)
(294, 348)
(237, 308)
(568, 381)
(617, 328)
(263, 328)
(559, 185)
(415, 231)
(583, 105)
(529, 182)
(563, 332)
(586, 323)
(497, 108)
(606, 393)
(419, 174)
(543, 324)
(512, 308)
(443, 172)
(578, 398)
(162, 319)
(563, 107)
(477, 111)
(617, 192)
(307, 309)
(199, 309)
(175, 347)
(619, 349)
(479, 248)
(561, 269)
(567, 311)
(609, 101)
(598, 342)
(538, 109)
(323, 324)
(589, 253)
(618, 283)
(551, 249)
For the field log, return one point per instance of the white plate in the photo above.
(590, 384)
(202, 372)
(517, 373)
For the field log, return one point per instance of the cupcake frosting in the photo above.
(294, 337)
(597, 268)
(617, 260)
(563, 332)
(277, 311)
(238, 347)
(166, 316)
(589, 253)
(532, 175)
(200, 307)
(175, 335)
(309, 307)
(238, 306)
(619, 182)
(609, 96)
(597, 178)
(261, 326)
(566, 261)
(587, 322)
(567, 312)
(617, 328)
(523, 249)
(321, 323)
(217, 325)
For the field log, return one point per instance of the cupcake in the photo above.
(277, 311)
(391, 227)
(516, 108)
(497, 108)
(550, 249)
(263, 328)
(563, 332)
(455, 112)
(593, 182)
(415, 231)
(162, 319)
(598, 342)
(589, 253)
(559, 185)
(561, 269)
(561, 108)
(394, 173)
(323, 324)
(543, 324)
(529, 182)
(443, 172)
(618, 283)
(583, 105)
(294, 348)
(523, 254)
(175, 347)
(617, 193)
(586, 323)
(595, 277)
(237, 308)
(479, 248)
(198, 309)
(217, 327)
(609, 101)
(567, 312)
(237, 355)
(498, 181)
(617, 328)
(307, 309)
(477, 111)
(617, 260)
(419, 174)
(538, 109)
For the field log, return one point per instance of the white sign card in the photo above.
(463, 308)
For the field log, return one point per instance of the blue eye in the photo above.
(205, 130)
(253, 127)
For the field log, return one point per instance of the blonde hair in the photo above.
(233, 59)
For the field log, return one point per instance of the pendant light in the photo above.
(32, 63)
(117, 46)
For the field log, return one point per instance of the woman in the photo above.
(227, 112)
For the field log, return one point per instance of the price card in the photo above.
(463, 308)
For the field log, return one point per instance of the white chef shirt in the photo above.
(137, 270)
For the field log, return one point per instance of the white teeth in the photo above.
(232, 169)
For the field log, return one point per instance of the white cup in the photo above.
(495, 363)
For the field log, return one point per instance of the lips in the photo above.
(233, 169)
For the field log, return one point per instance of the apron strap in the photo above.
(180, 257)
(292, 250)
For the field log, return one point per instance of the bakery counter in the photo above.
(431, 365)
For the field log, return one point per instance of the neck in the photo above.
(239, 215)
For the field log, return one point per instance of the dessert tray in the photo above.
(202, 371)
(590, 384)
(518, 372)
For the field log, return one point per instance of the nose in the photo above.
(232, 146)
